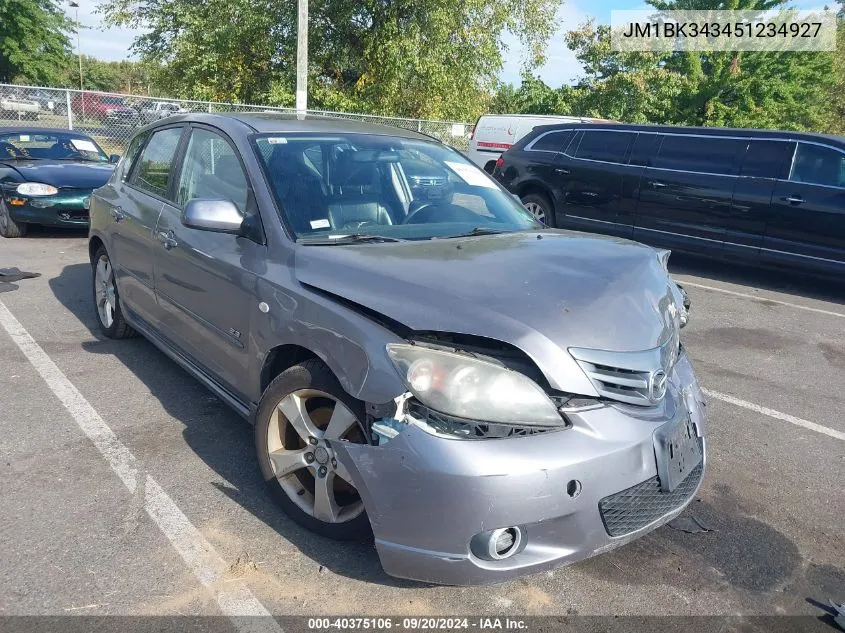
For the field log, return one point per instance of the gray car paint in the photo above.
(542, 292)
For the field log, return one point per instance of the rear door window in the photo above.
(818, 165)
(645, 147)
(156, 163)
(608, 147)
(702, 154)
(767, 159)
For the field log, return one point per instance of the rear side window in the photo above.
(551, 141)
(767, 159)
(703, 154)
(818, 165)
(608, 147)
(156, 162)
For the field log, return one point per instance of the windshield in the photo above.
(117, 101)
(333, 186)
(50, 145)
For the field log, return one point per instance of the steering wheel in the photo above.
(422, 207)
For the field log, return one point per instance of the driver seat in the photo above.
(357, 202)
(351, 214)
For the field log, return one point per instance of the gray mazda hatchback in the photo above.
(484, 396)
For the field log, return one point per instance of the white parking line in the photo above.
(233, 597)
(745, 295)
(812, 426)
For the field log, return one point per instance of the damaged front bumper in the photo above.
(572, 493)
(67, 208)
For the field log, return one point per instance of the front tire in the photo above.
(8, 227)
(303, 413)
(106, 298)
(540, 207)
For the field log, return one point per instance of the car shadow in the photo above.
(222, 439)
(55, 232)
(776, 280)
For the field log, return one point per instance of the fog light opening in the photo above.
(573, 488)
(504, 543)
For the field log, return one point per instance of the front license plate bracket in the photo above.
(677, 451)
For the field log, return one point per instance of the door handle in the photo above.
(117, 213)
(793, 199)
(657, 185)
(560, 170)
(167, 239)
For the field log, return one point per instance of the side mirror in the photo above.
(219, 216)
(114, 159)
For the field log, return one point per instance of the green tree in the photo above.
(126, 75)
(533, 96)
(33, 41)
(788, 90)
(431, 58)
(750, 89)
(838, 107)
(634, 87)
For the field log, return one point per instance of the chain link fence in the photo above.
(111, 118)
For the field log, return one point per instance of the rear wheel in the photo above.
(106, 298)
(302, 417)
(8, 227)
(540, 207)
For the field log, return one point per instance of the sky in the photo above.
(110, 44)
(561, 66)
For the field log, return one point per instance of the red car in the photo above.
(103, 107)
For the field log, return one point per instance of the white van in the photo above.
(495, 133)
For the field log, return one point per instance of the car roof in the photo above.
(535, 116)
(701, 131)
(269, 122)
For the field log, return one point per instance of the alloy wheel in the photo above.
(304, 428)
(104, 289)
(537, 211)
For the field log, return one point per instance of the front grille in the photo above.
(625, 385)
(628, 511)
(432, 181)
(626, 376)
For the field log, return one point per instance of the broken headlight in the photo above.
(467, 387)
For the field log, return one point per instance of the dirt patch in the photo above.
(833, 353)
(757, 339)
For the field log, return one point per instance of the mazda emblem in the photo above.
(657, 385)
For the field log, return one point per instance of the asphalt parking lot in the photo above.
(191, 521)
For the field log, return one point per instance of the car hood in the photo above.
(541, 292)
(65, 173)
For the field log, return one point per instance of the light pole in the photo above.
(75, 5)
(302, 57)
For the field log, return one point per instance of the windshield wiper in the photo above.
(481, 230)
(355, 238)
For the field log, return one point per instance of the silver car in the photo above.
(484, 396)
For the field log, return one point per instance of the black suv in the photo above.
(761, 196)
